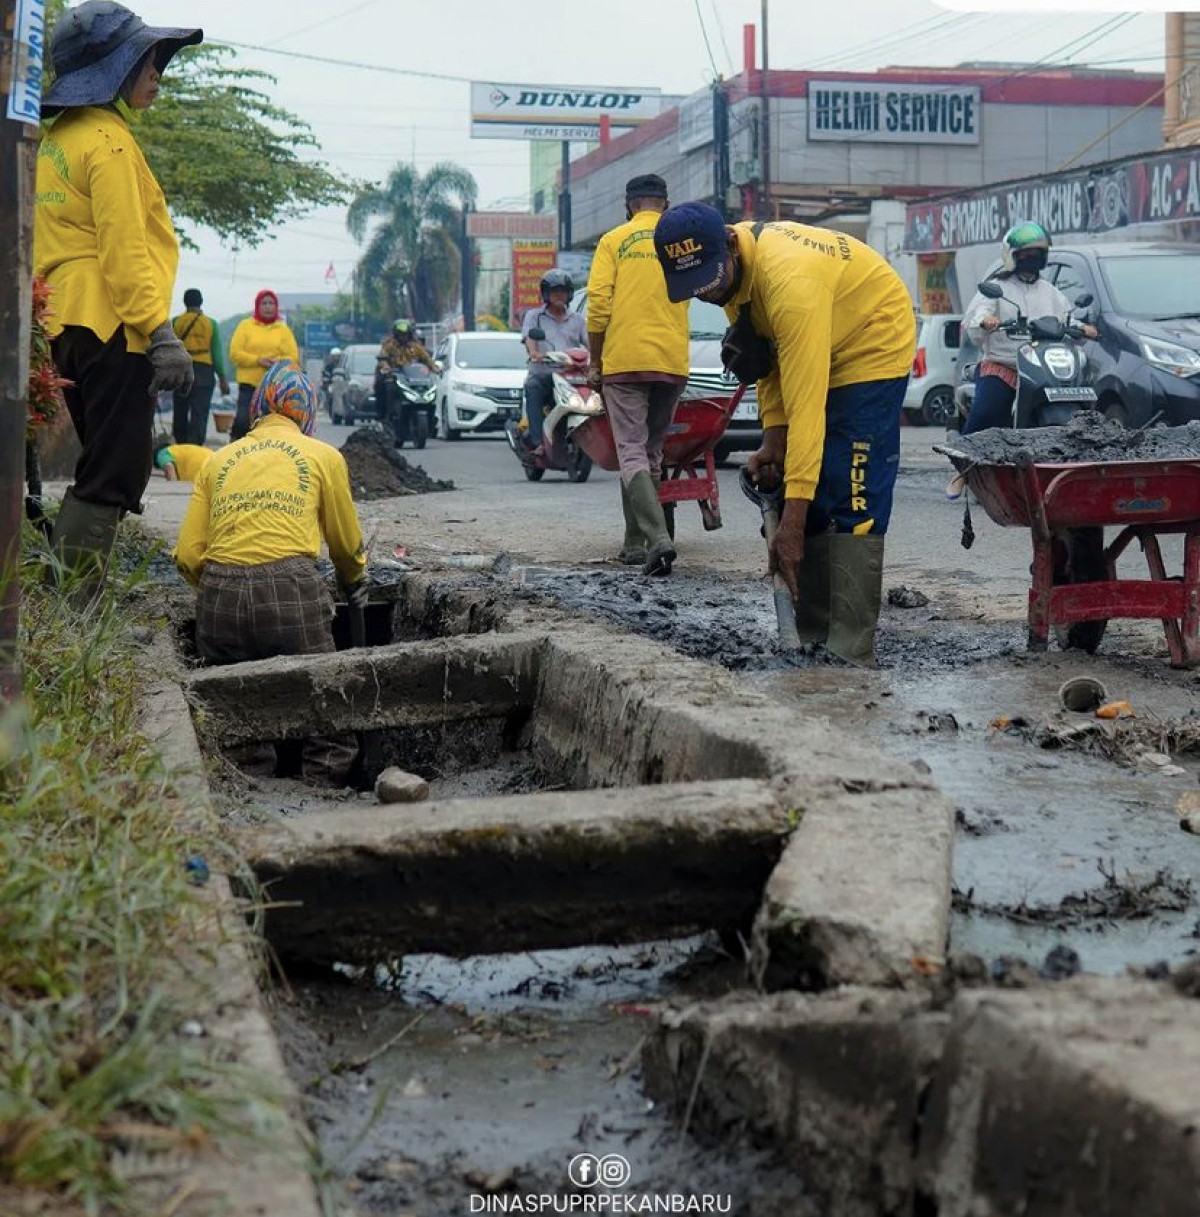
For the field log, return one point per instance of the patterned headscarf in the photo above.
(286, 390)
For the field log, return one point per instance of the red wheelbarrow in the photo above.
(1149, 498)
(689, 470)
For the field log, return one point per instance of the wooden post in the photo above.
(22, 36)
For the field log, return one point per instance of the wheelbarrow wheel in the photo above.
(1081, 560)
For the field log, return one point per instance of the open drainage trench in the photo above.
(476, 981)
(472, 977)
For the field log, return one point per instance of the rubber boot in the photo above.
(633, 551)
(648, 513)
(812, 604)
(855, 592)
(83, 537)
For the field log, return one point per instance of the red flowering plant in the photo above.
(44, 397)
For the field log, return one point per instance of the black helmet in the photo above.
(555, 280)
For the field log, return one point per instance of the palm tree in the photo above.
(410, 266)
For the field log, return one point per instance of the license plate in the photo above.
(1075, 393)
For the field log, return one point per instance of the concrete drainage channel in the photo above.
(485, 987)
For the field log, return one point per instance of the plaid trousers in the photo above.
(258, 612)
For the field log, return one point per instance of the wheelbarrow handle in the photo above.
(770, 503)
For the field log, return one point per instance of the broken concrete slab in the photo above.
(860, 896)
(1080, 1098)
(472, 876)
(833, 1080)
(421, 682)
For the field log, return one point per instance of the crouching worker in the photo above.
(253, 530)
(181, 462)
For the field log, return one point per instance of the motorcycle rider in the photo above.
(399, 349)
(563, 330)
(1024, 251)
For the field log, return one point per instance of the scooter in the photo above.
(573, 403)
(1052, 368)
(1052, 387)
(411, 404)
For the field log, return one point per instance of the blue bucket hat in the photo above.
(691, 244)
(95, 47)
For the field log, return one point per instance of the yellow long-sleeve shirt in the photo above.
(627, 303)
(272, 495)
(255, 340)
(102, 237)
(837, 313)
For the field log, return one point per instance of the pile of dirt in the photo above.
(1089, 436)
(378, 471)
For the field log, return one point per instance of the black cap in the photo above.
(192, 298)
(646, 186)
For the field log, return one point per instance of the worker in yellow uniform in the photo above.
(638, 341)
(825, 327)
(181, 462)
(104, 242)
(258, 341)
(202, 337)
(253, 530)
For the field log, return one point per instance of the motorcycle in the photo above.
(1052, 387)
(572, 404)
(411, 393)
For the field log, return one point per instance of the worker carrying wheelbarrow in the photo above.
(639, 346)
(825, 327)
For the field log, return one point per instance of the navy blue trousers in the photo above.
(991, 406)
(861, 458)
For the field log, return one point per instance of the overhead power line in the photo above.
(704, 35)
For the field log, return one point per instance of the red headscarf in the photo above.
(266, 291)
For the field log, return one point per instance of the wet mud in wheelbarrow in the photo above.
(1066, 485)
(689, 470)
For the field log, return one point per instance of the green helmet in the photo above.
(1022, 236)
(402, 325)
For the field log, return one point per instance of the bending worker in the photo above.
(825, 326)
(253, 529)
(640, 355)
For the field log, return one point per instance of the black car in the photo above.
(1146, 305)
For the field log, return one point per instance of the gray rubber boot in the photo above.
(633, 551)
(83, 537)
(652, 524)
(812, 604)
(855, 592)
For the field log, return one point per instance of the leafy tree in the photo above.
(225, 155)
(411, 262)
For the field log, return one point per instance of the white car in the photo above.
(481, 384)
(929, 398)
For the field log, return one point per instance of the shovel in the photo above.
(368, 762)
(770, 503)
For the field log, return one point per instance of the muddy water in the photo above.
(463, 1078)
(1037, 829)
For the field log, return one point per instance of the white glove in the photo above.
(171, 363)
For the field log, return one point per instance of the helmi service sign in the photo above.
(887, 113)
(561, 112)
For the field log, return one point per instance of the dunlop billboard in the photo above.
(558, 112)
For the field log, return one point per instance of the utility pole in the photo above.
(765, 133)
(22, 36)
(720, 121)
(564, 198)
(467, 258)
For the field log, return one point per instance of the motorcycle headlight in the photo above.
(566, 395)
(1180, 360)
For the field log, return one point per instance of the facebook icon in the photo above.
(584, 1170)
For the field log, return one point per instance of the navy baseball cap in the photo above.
(97, 44)
(691, 244)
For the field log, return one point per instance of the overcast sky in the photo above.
(368, 120)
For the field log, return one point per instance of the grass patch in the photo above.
(99, 926)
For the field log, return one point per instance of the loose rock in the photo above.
(394, 785)
(906, 597)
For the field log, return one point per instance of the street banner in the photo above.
(536, 111)
(530, 261)
(1158, 188)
